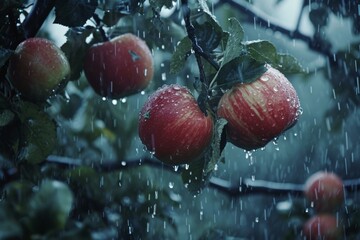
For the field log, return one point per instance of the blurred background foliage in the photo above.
(144, 202)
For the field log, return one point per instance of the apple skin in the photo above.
(120, 67)
(259, 111)
(325, 190)
(322, 226)
(172, 125)
(36, 68)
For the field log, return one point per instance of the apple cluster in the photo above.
(116, 68)
(326, 193)
(173, 127)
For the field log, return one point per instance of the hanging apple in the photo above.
(259, 111)
(36, 68)
(172, 125)
(120, 67)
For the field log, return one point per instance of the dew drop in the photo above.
(264, 78)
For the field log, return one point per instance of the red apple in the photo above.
(324, 226)
(259, 111)
(325, 190)
(120, 67)
(36, 68)
(172, 125)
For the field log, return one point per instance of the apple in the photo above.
(325, 190)
(120, 67)
(322, 226)
(172, 125)
(36, 68)
(259, 111)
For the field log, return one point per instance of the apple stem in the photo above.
(101, 30)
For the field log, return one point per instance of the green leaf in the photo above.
(180, 55)
(262, 51)
(10, 228)
(197, 174)
(208, 34)
(6, 114)
(215, 155)
(75, 49)
(288, 64)
(18, 194)
(5, 54)
(234, 47)
(158, 4)
(74, 13)
(49, 208)
(265, 52)
(193, 176)
(38, 133)
(242, 69)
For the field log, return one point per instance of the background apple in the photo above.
(119, 67)
(325, 190)
(259, 111)
(172, 125)
(323, 226)
(36, 68)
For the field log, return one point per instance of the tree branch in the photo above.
(243, 188)
(39, 12)
(253, 15)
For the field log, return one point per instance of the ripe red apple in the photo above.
(36, 68)
(325, 190)
(323, 226)
(120, 67)
(259, 111)
(172, 125)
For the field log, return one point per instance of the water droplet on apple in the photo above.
(275, 89)
(171, 185)
(264, 78)
(177, 88)
(299, 112)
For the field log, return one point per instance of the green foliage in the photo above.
(74, 13)
(197, 174)
(75, 49)
(37, 133)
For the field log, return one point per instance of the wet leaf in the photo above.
(158, 4)
(234, 47)
(209, 33)
(5, 54)
(242, 69)
(180, 55)
(217, 147)
(10, 228)
(38, 133)
(75, 49)
(288, 64)
(193, 176)
(49, 208)
(262, 51)
(74, 13)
